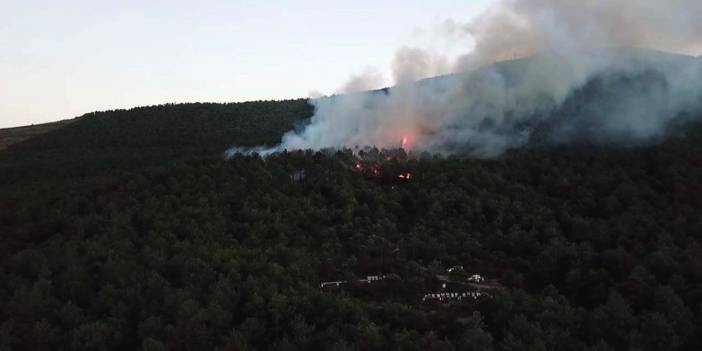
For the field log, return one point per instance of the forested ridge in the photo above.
(144, 136)
(127, 230)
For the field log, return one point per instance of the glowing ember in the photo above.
(405, 176)
(358, 166)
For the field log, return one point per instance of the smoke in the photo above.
(525, 27)
(566, 71)
(411, 64)
(369, 79)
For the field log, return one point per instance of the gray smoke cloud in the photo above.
(567, 70)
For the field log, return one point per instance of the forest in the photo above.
(128, 230)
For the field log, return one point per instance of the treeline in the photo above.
(100, 141)
(598, 249)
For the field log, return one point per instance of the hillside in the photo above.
(183, 131)
(621, 97)
(128, 230)
(152, 135)
(596, 248)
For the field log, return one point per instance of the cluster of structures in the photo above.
(446, 296)
(457, 285)
(454, 285)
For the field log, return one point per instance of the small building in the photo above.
(332, 284)
(373, 278)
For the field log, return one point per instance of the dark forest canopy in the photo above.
(127, 230)
(145, 136)
(205, 127)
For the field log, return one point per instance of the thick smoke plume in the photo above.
(567, 70)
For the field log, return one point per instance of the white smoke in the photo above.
(369, 79)
(486, 108)
(411, 64)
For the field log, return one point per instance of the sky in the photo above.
(61, 59)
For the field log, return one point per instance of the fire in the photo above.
(405, 176)
(404, 143)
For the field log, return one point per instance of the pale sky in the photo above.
(61, 59)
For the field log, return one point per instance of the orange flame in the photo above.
(404, 142)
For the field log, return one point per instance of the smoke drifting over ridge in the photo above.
(578, 78)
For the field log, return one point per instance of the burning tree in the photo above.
(387, 164)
